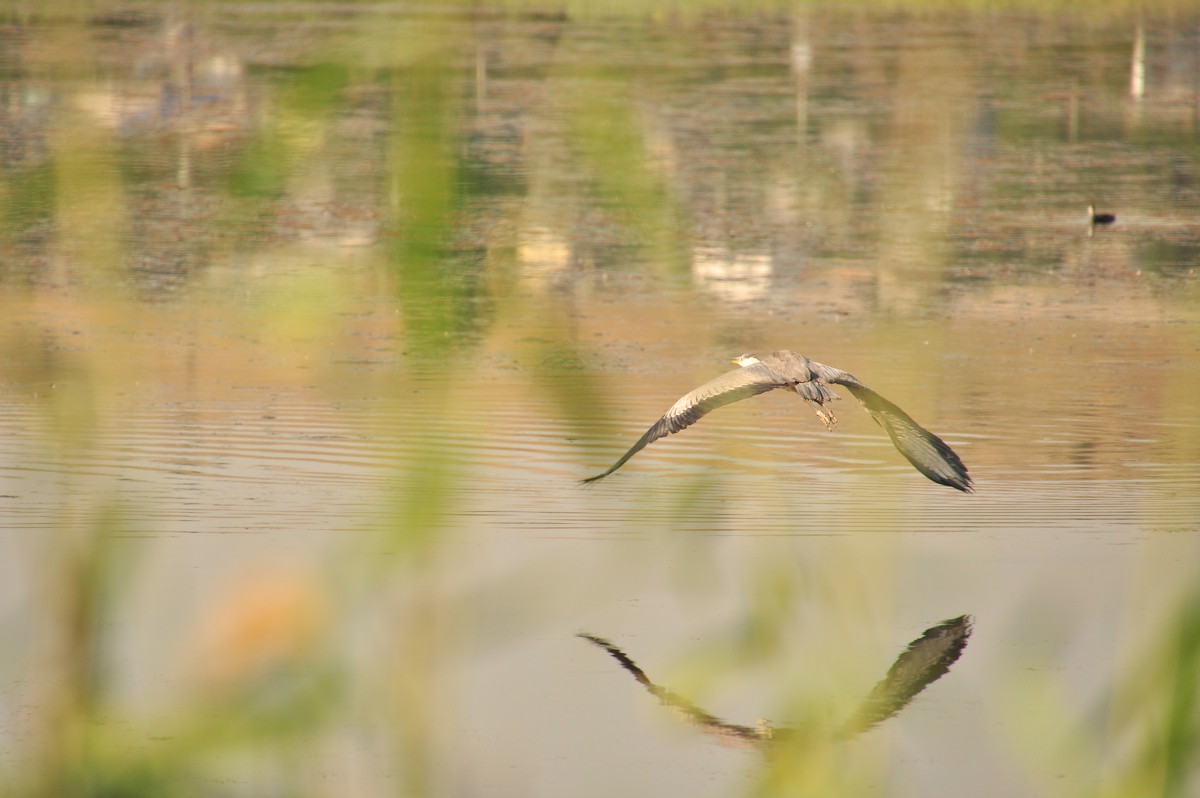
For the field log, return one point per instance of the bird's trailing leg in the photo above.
(817, 395)
(827, 417)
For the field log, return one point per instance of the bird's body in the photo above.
(928, 453)
(1099, 218)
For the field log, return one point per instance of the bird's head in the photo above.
(746, 359)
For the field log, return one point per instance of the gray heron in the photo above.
(928, 453)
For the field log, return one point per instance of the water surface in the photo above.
(314, 318)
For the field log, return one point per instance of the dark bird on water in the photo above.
(928, 453)
(1099, 218)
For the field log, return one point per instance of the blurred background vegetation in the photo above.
(300, 299)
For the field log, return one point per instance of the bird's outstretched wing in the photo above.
(927, 659)
(730, 733)
(626, 662)
(741, 383)
(928, 453)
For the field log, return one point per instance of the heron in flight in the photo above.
(928, 453)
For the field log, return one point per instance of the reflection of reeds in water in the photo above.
(926, 660)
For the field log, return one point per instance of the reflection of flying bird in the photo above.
(730, 733)
(783, 369)
(926, 660)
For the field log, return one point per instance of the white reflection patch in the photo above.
(732, 276)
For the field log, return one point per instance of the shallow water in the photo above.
(324, 386)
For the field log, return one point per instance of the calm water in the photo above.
(312, 319)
